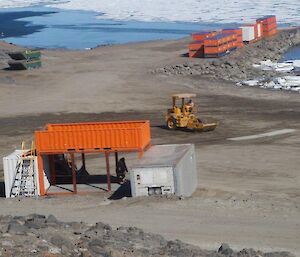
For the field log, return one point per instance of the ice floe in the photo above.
(25, 3)
(289, 83)
(286, 66)
(217, 11)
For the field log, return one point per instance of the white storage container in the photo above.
(248, 33)
(165, 169)
(152, 181)
(10, 168)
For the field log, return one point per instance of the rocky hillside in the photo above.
(37, 235)
(4, 49)
(238, 65)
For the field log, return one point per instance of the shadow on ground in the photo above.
(123, 191)
(2, 189)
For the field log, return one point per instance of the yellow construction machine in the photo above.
(183, 115)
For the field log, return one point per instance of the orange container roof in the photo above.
(95, 125)
(94, 137)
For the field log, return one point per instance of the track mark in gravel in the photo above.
(268, 134)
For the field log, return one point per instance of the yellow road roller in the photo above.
(182, 115)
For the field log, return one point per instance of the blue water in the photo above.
(54, 28)
(45, 27)
(292, 54)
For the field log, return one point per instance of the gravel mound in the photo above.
(4, 49)
(238, 65)
(4, 58)
(37, 235)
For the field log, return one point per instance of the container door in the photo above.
(258, 29)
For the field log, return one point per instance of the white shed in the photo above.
(165, 169)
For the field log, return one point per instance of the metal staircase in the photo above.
(24, 184)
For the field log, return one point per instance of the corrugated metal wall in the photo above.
(91, 136)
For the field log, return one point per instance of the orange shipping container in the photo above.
(240, 45)
(203, 35)
(269, 27)
(239, 39)
(196, 45)
(232, 37)
(236, 31)
(98, 136)
(232, 45)
(94, 125)
(217, 40)
(267, 19)
(196, 53)
(270, 33)
(215, 50)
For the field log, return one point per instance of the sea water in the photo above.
(46, 27)
(292, 54)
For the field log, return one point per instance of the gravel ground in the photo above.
(37, 235)
(238, 65)
(248, 192)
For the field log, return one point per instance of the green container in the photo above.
(25, 55)
(25, 64)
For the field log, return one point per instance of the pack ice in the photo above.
(286, 66)
(217, 11)
(288, 83)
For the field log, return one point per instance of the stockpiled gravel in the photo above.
(38, 235)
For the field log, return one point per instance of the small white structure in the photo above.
(248, 33)
(10, 167)
(165, 169)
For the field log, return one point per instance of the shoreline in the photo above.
(237, 65)
(88, 32)
(278, 55)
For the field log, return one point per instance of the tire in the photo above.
(171, 124)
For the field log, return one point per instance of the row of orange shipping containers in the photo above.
(212, 44)
(239, 35)
(201, 46)
(269, 25)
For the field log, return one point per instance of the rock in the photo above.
(97, 246)
(238, 65)
(54, 250)
(3, 228)
(225, 250)
(216, 63)
(102, 226)
(5, 243)
(17, 229)
(35, 224)
(35, 217)
(51, 219)
(61, 241)
(99, 240)
(230, 63)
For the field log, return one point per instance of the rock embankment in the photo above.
(4, 49)
(37, 235)
(238, 65)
